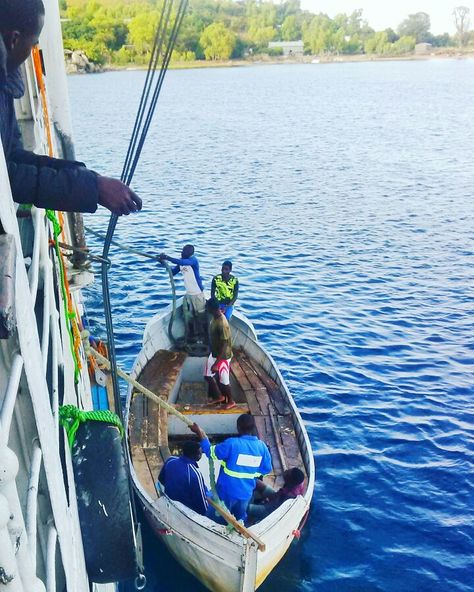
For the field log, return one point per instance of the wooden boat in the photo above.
(223, 561)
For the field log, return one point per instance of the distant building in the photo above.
(290, 48)
(423, 48)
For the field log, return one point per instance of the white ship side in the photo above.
(40, 539)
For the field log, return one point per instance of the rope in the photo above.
(70, 313)
(70, 417)
(173, 339)
(58, 225)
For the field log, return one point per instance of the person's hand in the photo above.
(162, 257)
(200, 433)
(214, 368)
(117, 197)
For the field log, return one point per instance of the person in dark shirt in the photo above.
(225, 289)
(41, 180)
(218, 362)
(266, 499)
(182, 479)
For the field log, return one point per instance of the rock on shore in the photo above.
(78, 63)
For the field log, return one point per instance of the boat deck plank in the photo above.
(263, 399)
(272, 414)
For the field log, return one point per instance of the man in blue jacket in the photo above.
(40, 180)
(183, 480)
(242, 460)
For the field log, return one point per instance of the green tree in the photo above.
(377, 44)
(217, 42)
(416, 25)
(289, 29)
(403, 45)
(142, 31)
(261, 36)
(317, 35)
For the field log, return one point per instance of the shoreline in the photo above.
(272, 61)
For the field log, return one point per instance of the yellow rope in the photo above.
(58, 228)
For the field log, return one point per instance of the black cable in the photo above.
(166, 59)
(130, 164)
(152, 67)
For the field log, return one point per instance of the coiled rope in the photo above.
(70, 417)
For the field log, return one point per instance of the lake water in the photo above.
(343, 194)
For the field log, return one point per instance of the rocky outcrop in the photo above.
(77, 62)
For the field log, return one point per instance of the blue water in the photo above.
(344, 196)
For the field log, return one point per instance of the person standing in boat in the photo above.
(46, 182)
(194, 303)
(225, 288)
(242, 459)
(182, 479)
(218, 362)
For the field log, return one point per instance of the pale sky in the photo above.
(390, 13)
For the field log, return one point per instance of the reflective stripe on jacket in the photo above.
(242, 460)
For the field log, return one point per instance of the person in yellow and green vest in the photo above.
(225, 289)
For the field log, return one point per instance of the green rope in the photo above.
(51, 215)
(70, 417)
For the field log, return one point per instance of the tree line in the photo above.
(121, 31)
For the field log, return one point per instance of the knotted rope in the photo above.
(70, 417)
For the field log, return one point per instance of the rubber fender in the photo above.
(103, 498)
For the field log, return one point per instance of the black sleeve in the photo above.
(52, 183)
(21, 156)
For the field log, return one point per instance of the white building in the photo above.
(290, 48)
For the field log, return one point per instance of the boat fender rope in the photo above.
(70, 417)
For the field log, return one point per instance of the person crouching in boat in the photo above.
(242, 459)
(225, 289)
(265, 499)
(219, 359)
(182, 479)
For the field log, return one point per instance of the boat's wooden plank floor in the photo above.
(261, 397)
(272, 415)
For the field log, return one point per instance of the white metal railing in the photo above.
(32, 499)
(51, 559)
(10, 397)
(30, 427)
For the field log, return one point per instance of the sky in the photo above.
(390, 13)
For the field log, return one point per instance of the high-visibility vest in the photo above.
(225, 290)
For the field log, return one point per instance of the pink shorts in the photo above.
(223, 369)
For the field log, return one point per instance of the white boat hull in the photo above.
(222, 561)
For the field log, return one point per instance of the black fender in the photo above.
(103, 499)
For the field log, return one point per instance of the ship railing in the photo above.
(34, 526)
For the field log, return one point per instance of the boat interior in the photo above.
(178, 377)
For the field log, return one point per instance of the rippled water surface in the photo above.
(344, 196)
